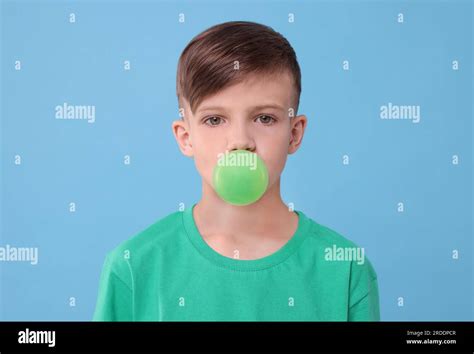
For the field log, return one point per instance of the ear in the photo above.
(297, 126)
(183, 138)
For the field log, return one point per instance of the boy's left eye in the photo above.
(265, 119)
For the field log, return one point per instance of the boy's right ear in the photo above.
(183, 138)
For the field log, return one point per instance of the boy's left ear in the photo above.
(298, 126)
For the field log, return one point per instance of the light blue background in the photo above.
(391, 161)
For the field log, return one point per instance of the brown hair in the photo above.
(207, 63)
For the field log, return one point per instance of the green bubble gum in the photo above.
(240, 177)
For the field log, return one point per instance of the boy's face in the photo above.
(254, 115)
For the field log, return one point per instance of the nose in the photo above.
(240, 138)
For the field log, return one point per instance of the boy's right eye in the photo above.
(213, 121)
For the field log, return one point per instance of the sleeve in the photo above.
(115, 297)
(364, 294)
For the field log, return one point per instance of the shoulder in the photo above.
(134, 251)
(157, 233)
(331, 245)
(327, 237)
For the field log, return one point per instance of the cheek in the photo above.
(206, 150)
(274, 152)
(276, 164)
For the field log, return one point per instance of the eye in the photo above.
(266, 119)
(212, 121)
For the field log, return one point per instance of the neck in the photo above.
(219, 217)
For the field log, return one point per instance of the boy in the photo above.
(238, 88)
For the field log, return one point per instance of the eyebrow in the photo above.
(254, 108)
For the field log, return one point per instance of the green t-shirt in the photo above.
(168, 272)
